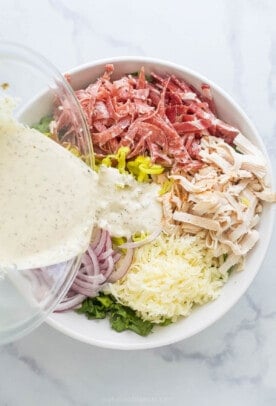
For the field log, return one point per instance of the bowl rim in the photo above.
(212, 319)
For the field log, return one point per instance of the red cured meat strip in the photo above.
(112, 132)
(164, 118)
(197, 125)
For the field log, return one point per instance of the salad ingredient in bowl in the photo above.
(210, 180)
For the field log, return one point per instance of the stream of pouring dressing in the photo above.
(47, 200)
(50, 200)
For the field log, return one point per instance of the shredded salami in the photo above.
(163, 117)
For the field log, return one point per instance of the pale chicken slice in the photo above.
(231, 260)
(198, 221)
(223, 199)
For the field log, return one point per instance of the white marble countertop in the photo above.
(233, 42)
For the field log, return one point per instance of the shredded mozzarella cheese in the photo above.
(168, 276)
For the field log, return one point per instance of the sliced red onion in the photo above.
(70, 303)
(122, 268)
(80, 283)
(86, 260)
(110, 267)
(101, 245)
(95, 262)
(108, 243)
(96, 239)
(105, 254)
(116, 257)
(88, 292)
(96, 267)
(97, 279)
(104, 264)
(138, 244)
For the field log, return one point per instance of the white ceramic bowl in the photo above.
(99, 332)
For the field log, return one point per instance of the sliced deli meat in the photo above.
(161, 116)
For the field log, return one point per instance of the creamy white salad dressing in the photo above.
(126, 206)
(50, 200)
(46, 200)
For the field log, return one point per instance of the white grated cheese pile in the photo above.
(168, 276)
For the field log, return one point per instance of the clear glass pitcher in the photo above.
(28, 296)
